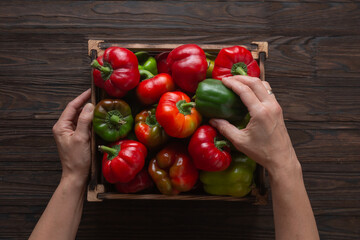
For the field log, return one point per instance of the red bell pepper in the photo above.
(150, 90)
(235, 60)
(116, 71)
(161, 62)
(188, 66)
(177, 115)
(123, 160)
(208, 151)
(148, 131)
(172, 170)
(141, 182)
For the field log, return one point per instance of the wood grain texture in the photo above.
(313, 67)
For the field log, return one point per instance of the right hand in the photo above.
(265, 139)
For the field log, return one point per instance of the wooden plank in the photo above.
(277, 17)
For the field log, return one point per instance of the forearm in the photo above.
(293, 215)
(62, 215)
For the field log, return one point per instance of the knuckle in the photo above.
(55, 129)
(278, 109)
(263, 113)
(78, 139)
(266, 84)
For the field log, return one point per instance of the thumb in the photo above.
(84, 121)
(229, 131)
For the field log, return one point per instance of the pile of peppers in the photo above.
(152, 120)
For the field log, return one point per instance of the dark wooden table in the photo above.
(313, 67)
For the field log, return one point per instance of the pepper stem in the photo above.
(239, 68)
(103, 69)
(116, 120)
(185, 107)
(145, 74)
(220, 144)
(240, 71)
(108, 150)
(151, 120)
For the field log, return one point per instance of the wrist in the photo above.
(72, 181)
(286, 175)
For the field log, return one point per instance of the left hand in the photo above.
(72, 133)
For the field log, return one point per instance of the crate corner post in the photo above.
(92, 194)
(94, 45)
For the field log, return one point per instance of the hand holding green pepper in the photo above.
(265, 138)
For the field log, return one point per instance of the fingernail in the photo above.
(88, 107)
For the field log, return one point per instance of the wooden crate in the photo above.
(99, 189)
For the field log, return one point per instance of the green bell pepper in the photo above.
(112, 119)
(214, 100)
(146, 62)
(236, 180)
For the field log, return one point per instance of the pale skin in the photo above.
(62, 215)
(265, 140)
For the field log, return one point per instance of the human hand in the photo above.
(72, 135)
(265, 139)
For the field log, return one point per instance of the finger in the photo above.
(247, 96)
(266, 85)
(256, 85)
(229, 131)
(71, 111)
(84, 121)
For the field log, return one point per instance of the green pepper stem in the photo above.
(239, 68)
(151, 120)
(240, 71)
(116, 120)
(220, 144)
(108, 150)
(187, 105)
(145, 74)
(96, 64)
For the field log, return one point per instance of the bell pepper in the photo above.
(188, 66)
(172, 170)
(116, 71)
(177, 115)
(112, 119)
(208, 151)
(211, 62)
(235, 60)
(148, 131)
(139, 183)
(214, 100)
(146, 62)
(236, 180)
(122, 160)
(150, 90)
(161, 62)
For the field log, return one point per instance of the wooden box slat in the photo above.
(97, 190)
